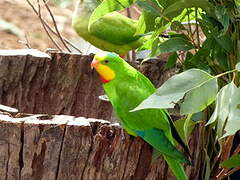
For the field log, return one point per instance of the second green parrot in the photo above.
(113, 32)
(126, 88)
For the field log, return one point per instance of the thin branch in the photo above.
(129, 13)
(50, 29)
(40, 17)
(231, 171)
(227, 147)
(137, 10)
(191, 34)
(26, 43)
(237, 150)
(197, 28)
(55, 25)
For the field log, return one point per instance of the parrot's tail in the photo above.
(176, 167)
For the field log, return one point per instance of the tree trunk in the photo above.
(58, 147)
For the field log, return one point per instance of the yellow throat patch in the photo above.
(106, 73)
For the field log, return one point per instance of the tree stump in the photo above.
(70, 141)
(37, 83)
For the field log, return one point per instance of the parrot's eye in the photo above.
(106, 61)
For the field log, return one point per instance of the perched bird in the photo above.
(113, 32)
(126, 88)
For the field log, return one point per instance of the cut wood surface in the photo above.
(34, 82)
(57, 146)
(41, 147)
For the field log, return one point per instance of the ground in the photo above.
(20, 14)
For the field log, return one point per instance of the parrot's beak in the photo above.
(94, 63)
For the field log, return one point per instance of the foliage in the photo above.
(207, 33)
(233, 161)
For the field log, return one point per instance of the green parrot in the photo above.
(113, 32)
(126, 88)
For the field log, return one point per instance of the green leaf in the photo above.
(197, 116)
(175, 44)
(190, 82)
(146, 23)
(185, 127)
(209, 43)
(149, 6)
(177, 26)
(147, 44)
(237, 67)
(199, 60)
(187, 15)
(237, 2)
(177, 7)
(179, 126)
(108, 6)
(227, 112)
(172, 59)
(222, 58)
(232, 123)
(141, 25)
(225, 42)
(155, 50)
(188, 127)
(232, 162)
(200, 97)
(223, 17)
(222, 105)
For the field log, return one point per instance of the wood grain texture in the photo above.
(60, 84)
(64, 147)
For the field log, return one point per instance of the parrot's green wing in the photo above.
(141, 90)
(150, 124)
(115, 28)
(127, 90)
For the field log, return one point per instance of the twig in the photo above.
(129, 13)
(26, 43)
(231, 171)
(137, 10)
(197, 28)
(225, 171)
(40, 17)
(191, 34)
(227, 147)
(132, 57)
(55, 25)
(237, 150)
(50, 29)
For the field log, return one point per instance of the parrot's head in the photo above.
(107, 65)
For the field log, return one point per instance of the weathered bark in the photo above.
(60, 84)
(63, 147)
(47, 147)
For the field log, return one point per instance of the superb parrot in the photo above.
(113, 32)
(126, 88)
